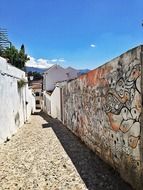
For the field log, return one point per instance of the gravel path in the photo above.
(45, 155)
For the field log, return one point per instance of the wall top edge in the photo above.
(139, 47)
(10, 69)
(126, 52)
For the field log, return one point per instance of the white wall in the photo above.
(56, 74)
(46, 107)
(31, 102)
(53, 75)
(56, 103)
(13, 108)
(52, 103)
(73, 73)
(39, 98)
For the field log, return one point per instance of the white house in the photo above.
(53, 102)
(55, 74)
(71, 73)
(37, 88)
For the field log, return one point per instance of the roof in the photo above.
(37, 81)
(71, 68)
(37, 86)
(49, 68)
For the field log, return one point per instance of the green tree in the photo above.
(1, 50)
(36, 75)
(22, 57)
(15, 57)
(11, 54)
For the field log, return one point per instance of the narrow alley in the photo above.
(45, 155)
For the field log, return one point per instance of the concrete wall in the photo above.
(52, 103)
(104, 107)
(16, 104)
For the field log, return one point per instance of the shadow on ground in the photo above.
(95, 173)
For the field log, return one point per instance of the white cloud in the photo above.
(39, 63)
(43, 63)
(58, 60)
(54, 60)
(92, 45)
(61, 60)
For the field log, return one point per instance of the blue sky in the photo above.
(65, 29)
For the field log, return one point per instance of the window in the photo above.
(37, 93)
(37, 102)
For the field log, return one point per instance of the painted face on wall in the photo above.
(135, 114)
(132, 94)
(135, 73)
(126, 125)
(112, 83)
(120, 88)
(125, 113)
(133, 141)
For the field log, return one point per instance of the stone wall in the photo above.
(104, 107)
(16, 104)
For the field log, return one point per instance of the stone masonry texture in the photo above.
(104, 108)
(45, 155)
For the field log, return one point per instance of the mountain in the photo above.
(41, 70)
(34, 69)
(83, 71)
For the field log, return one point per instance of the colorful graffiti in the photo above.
(103, 108)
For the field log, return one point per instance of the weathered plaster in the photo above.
(103, 108)
(16, 104)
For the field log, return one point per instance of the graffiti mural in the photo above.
(103, 107)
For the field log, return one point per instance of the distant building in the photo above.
(71, 73)
(36, 85)
(55, 74)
